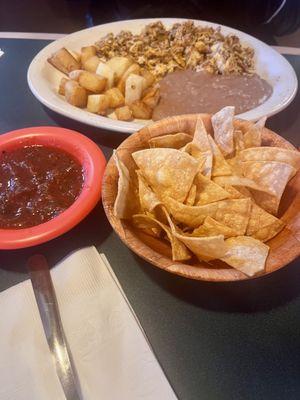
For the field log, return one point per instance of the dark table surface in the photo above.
(214, 341)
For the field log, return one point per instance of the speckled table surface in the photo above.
(214, 341)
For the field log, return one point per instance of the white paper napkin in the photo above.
(112, 356)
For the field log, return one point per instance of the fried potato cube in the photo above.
(141, 110)
(62, 85)
(152, 96)
(119, 65)
(63, 61)
(98, 103)
(92, 82)
(91, 64)
(76, 55)
(133, 69)
(105, 71)
(124, 113)
(87, 52)
(75, 94)
(116, 98)
(149, 78)
(74, 75)
(133, 88)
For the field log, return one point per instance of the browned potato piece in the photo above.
(76, 55)
(74, 75)
(119, 65)
(141, 110)
(91, 64)
(61, 88)
(149, 78)
(124, 113)
(94, 83)
(75, 94)
(116, 98)
(98, 103)
(64, 61)
(133, 69)
(87, 52)
(152, 97)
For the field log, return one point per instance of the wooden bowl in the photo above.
(284, 247)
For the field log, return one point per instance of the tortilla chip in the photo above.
(190, 200)
(126, 202)
(240, 193)
(246, 254)
(222, 123)
(201, 136)
(252, 138)
(208, 191)
(291, 157)
(238, 141)
(237, 181)
(148, 199)
(220, 166)
(170, 172)
(179, 250)
(270, 175)
(174, 141)
(211, 227)
(233, 213)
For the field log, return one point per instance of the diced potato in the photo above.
(74, 75)
(91, 64)
(119, 65)
(76, 55)
(105, 71)
(133, 69)
(134, 88)
(87, 52)
(93, 82)
(63, 61)
(141, 110)
(75, 94)
(149, 78)
(124, 113)
(152, 97)
(61, 88)
(116, 98)
(98, 103)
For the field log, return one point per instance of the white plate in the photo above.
(43, 79)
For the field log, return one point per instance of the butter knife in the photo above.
(48, 308)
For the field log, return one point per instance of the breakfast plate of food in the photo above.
(123, 75)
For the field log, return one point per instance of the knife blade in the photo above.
(48, 308)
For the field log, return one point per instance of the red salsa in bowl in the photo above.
(37, 183)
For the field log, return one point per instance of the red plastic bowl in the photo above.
(88, 155)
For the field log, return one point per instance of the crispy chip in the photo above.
(175, 141)
(208, 191)
(234, 213)
(201, 136)
(211, 227)
(222, 123)
(270, 175)
(237, 181)
(170, 172)
(246, 254)
(252, 138)
(220, 165)
(241, 193)
(191, 197)
(238, 141)
(148, 199)
(126, 201)
(179, 250)
(291, 157)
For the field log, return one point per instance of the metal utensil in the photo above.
(49, 312)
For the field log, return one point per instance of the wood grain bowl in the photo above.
(284, 247)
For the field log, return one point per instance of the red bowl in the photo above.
(88, 155)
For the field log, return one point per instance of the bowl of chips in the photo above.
(207, 197)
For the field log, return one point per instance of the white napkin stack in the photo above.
(111, 353)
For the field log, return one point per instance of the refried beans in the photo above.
(188, 92)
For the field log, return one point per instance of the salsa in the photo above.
(37, 183)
